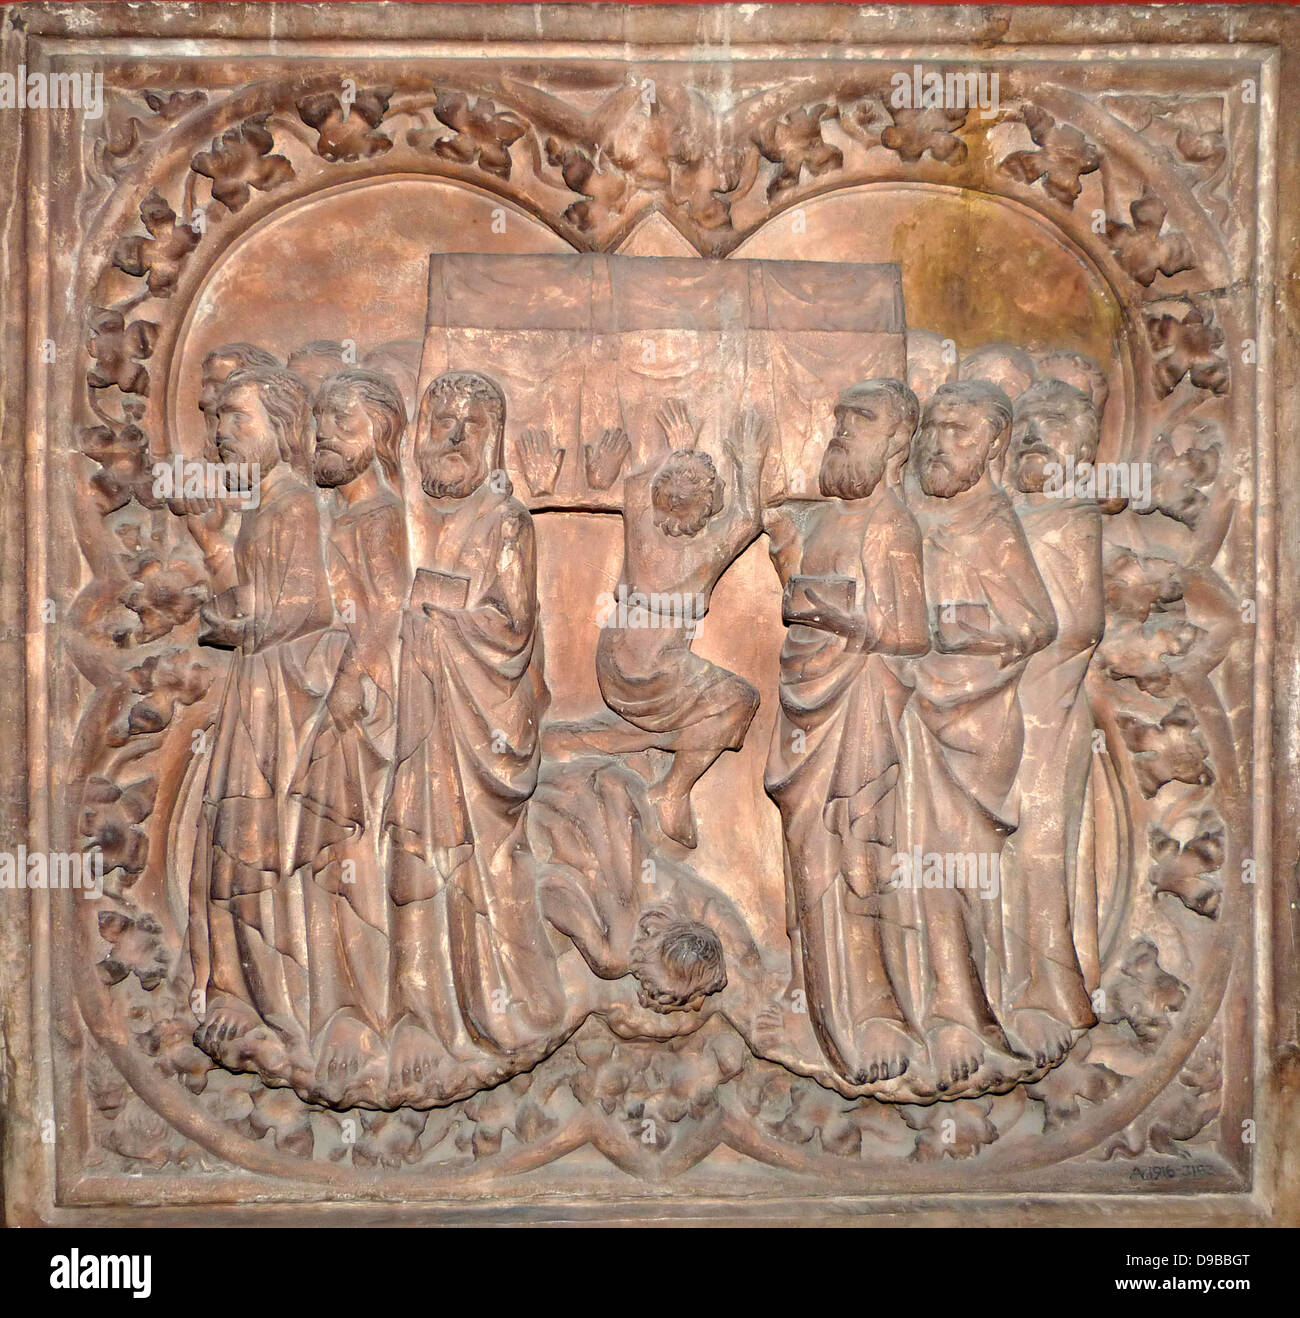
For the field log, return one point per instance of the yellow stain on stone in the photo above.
(969, 273)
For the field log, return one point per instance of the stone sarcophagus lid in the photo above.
(613, 616)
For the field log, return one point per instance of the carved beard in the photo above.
(450, 473)
(848, 475)
(331, 469)
(1030, 476)
(941, 481)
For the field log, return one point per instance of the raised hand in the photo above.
(676, 424)
(205, 519)
(604, 459)
(748, 438)
(540, 460)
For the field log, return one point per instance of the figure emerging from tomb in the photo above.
(963, 732)
(472, 964)
(851, 569)
(248, 938)
(360, 421)
(655, 949)
(1049, 906)
(685, 522)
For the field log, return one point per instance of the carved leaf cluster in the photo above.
(240, 160)
(482, 133)
(1143, 248)
(1191, 347)
(1172, 750)
(1062, 157)
(913, 133)
(118, 350)
(159, 257)
(794, 143)
(1187, 870)
(1142, 993)
(347, 134)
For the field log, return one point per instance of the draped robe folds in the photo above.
(1049, 907)
(470, 700)
(836, 783)
(650, 676)
(343, 770)
(964, 735)
(248, 925)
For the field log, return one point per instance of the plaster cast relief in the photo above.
(642, 688)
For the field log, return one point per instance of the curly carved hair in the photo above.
(246, 356)
(677, 962)
(1066, 398)
(686, 492)
(989, 398)
(478, 387)
(902, 402)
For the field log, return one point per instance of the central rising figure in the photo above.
(681, 532)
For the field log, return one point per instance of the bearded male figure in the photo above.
(471, 696)
(851, 568)
(246, 918)
(681, 530)
(208, 520)
(1049, 909)
(360, 420)
(988, 612)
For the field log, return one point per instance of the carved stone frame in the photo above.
(63, 259)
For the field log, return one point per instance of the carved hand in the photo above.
(675, 421)
(204, 518)
(748, 437)
(540, 459)
(219, 629)
(604, 459)
(830, 617)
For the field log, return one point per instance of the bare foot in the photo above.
(675, 815)
(414, 1058)
(1042, 1038)
(884, 1048)
(227, 1019)
(346, 1048)
(957, 1052)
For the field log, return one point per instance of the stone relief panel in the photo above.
(694, 617)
